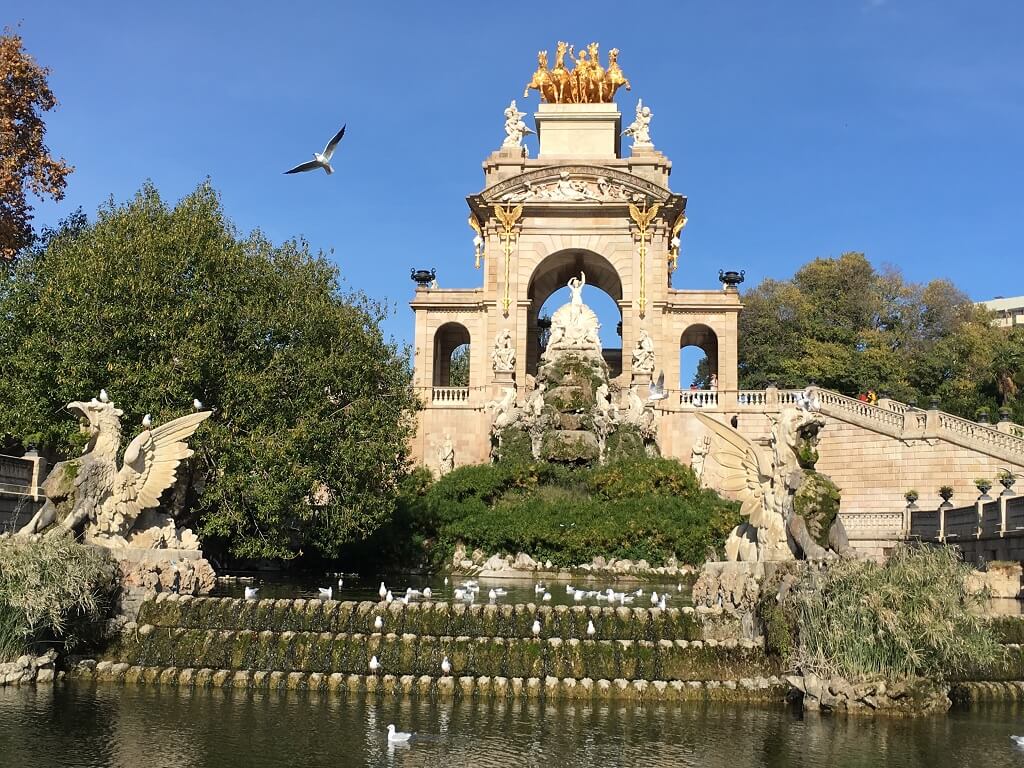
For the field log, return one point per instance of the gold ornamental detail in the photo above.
(643, 217)
(507, 218)
(675, 242)
(478, 239)
(586, 83)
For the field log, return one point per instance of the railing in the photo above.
(924, 524)
(980, 433)
(751, 397)
(449, 395)
(698, 398)
(873, 525)
(991, 518)
(834, 401)
(982, 520)
(962, 523)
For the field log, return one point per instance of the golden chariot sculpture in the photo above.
(586, 83)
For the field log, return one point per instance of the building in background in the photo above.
(1009, 312)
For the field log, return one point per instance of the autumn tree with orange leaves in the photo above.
(25, 161)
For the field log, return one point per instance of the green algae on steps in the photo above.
(350, 653)
(754, 689)
(425, 618)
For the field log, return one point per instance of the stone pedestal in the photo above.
(579, 131)
(501, 381)
(642, 380)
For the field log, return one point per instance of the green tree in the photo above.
(458, 371)
(160, 305)
(843, 325)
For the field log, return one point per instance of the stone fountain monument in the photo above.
(570, 413)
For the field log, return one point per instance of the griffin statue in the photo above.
(792, 511)
(105, 502)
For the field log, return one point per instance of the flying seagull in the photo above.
(321, 160)
(657, 390)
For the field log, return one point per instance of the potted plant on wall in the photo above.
(946, 492)
(983, 484)
(1007, 479)
(911, 496)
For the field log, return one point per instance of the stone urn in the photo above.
(1007, 479)
(946, 493)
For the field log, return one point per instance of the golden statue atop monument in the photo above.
(586, 83)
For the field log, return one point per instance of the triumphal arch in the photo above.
(586, 204)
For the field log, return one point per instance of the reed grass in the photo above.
(51, 589)
(908, 618)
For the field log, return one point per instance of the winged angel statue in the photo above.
(104, 498)
(791, 510)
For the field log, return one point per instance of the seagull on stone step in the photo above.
(446, 666)
(661, 603)
(378, 623)
(104, 397)
(427, 593)
(147, 421)
(383, 591)
(536, 627)
(341, 582)
(251, 593)
(326, 592)
(654, 598)
(389, 598)
(591, 629)
(321, 159)
(657, 391)
(374, 664)
(492, 595)
(679, 587)
(397, 737)
(446, 581)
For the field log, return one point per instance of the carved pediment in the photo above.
(573, 184)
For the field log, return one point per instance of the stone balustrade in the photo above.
(450, 396)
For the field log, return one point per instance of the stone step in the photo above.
(428, 618)
(771, 689)
(327, 652)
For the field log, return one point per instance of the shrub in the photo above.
(910, 617)
(639, 508)
(51, 589)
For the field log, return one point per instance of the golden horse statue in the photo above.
(587, 83)
(542, 81)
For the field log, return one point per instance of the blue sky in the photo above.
(796, 129)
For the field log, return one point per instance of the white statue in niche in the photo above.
(643, 353)
(503, 358)
(515, 128)
(446, 456)
(640, 128)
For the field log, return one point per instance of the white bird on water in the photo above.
(446, 666)
(591, 629)
(321, 159)
(460, 594)
(397, 737)
(326, 592)
(536, 627)
(341, 582)
(661, 603)
(147, 421)
(1018, 740)
(378, 623)
(492, 595)
(578, 595)
(654, 598)
(569, 589)
(539, 589)
(374, 664)
(383, 591)
(427, 593)
(546, 597)
(251, 592)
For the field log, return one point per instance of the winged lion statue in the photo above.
(105, 500)
(791, 510)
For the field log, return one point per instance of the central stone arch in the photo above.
(551, 274)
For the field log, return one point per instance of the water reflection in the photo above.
(88, 726)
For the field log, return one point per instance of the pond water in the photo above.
(86, 726)
(517, 590)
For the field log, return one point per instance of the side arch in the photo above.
(447, 339)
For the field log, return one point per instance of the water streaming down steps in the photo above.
(635, 653)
